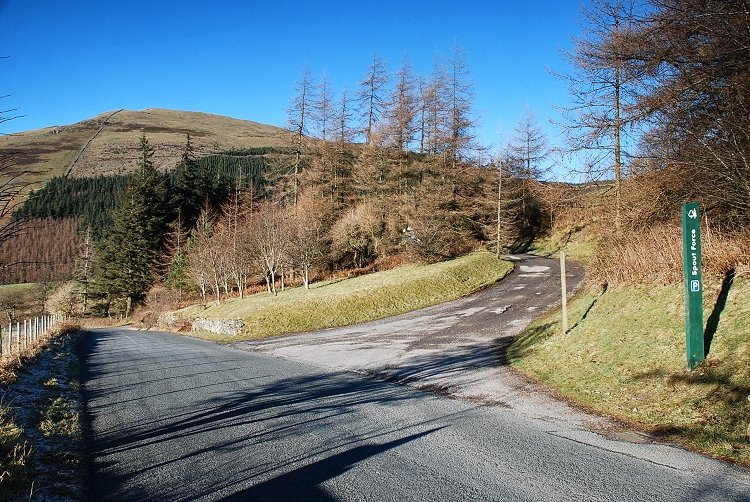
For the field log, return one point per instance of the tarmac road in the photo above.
(456, 348)
(175, 418)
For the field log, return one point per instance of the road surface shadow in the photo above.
(192, 430)
(305, 483)
(433, 372)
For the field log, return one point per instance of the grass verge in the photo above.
(361, 299)
(39, 421)
(625, 357)
(16, 289)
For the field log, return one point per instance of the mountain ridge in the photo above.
(109, 142)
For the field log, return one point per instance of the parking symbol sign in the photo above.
(695, 286)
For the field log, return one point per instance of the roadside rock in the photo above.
(230, 327)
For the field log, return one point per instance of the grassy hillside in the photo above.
(16, 289)
(111, 141)
(356, 300)
(19, 301)
(625, 356)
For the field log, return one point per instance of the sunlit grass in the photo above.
(57, 418)
(15, 289)
(356, 300)
(627, 359)
(575, 239)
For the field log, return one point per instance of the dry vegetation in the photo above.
(644, 250)
(45, 251)
(625, 352)
(654, 256)
(39, 420)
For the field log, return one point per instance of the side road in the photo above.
(456, 348)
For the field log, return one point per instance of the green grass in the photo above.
(575, 239)
(15, 289)
(57, 418)
(627, 359)
(356, 300)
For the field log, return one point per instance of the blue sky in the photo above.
(71, 60)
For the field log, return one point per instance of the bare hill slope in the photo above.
(108, 143)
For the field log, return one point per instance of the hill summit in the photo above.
(109, 142)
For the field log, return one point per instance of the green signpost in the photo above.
(691, 266)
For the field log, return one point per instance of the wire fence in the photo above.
(18, 336)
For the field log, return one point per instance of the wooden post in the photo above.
(563, 283)
(499, 204)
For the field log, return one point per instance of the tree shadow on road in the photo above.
(252, 439)
(305, 483)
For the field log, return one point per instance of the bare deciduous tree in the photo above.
(14, 181)
(269, 242)
(603, 88)
(323, 109)
(298, 120)
(526, 154)
(698, 65)
(372, 96)
(205, 257)
(401, 110)
(460, 100)
(305, 228)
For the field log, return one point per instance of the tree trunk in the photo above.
(618, 160)
(499, 203)
(217, 288)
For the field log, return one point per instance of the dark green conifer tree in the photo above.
(131, 252)
(176, 260)
(190, 186)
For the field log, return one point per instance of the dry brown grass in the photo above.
(15, 455)
(647, 246)
(10, 364)
(654, 256)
